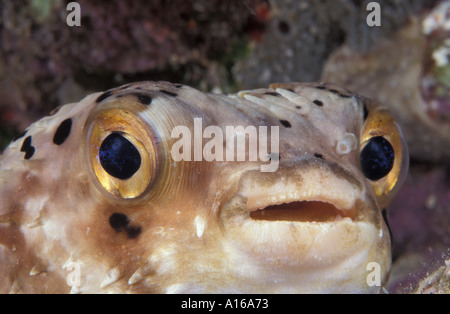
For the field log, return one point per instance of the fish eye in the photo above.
(377, 158)
(119, 157)
(121, 149)
(384, 157)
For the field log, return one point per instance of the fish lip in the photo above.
(311, 192)
(316, 209)
(299, 206)
(241, 207)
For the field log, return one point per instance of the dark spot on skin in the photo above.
(298, 107)
(344, 94)
(168, 93)
(318, 103)
(178, 85)
(339, 93)
(103, 96)
(133, 231)
(285, 123)
(20, 135)
(366, 112)
(144, 99)
(27, 148)
(318, 155)
(120, 222)
(62, 132)
(272, 94)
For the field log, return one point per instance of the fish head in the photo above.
(158, 187)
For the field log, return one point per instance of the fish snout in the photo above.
(307, 219)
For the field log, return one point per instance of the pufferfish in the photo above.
(95, 199)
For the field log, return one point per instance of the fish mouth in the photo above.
(303, 225)
(301, 211)
(296, 216)
(308, 196)
(303, 228)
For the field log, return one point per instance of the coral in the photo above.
(420, 223)
(437, 282)
(43, 60)
(301, 35)
(408, 73)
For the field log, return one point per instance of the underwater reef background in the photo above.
(233, 45)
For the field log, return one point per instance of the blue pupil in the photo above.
(377, 158)
(118, 157)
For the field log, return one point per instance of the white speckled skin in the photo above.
(196, 234)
